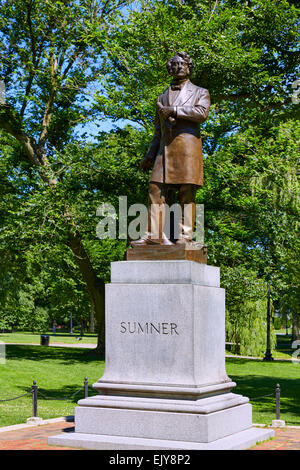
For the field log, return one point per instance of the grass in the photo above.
(60, 372)
(256, 378)
(283, 349)
(28, 338)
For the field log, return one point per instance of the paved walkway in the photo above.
(285, 439)
(35, 437)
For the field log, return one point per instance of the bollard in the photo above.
(86, 389)
(277, 401)
(34, 420)
(34, 399)
(278, 423)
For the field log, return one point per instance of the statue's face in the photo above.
(179, 68)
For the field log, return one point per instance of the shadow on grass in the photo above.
(257, 378)
(258, 388)
(74, 335)
(61, 354)
(283, 341)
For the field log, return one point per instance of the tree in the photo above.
(51, 59)
(254, 219)
(246, 54)
(33, 237)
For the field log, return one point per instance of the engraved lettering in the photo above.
(154, 327)
(174, 327)
(147, 328)
(134, 328)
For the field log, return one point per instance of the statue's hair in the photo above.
(185, 57)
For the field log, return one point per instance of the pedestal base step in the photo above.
(238, 441)
(196, 252)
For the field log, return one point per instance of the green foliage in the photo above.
(36, 233)
(278, 323)
(50, 59)
(250, 336)
(69, 63)
(244, 53)
(246, 311)
(19, 311)
(251, 202)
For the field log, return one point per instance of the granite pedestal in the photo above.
(165, 385)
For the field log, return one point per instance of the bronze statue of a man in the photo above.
(176, 152)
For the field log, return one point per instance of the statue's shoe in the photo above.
(149, 241)
(184, 241)
(190, 243)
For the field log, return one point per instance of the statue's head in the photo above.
(180, 65)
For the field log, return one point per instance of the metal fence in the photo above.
(277, 395)
(36, 392)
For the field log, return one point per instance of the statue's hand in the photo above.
(166, 111)
(146, 164)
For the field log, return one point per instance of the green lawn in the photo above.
(283, 347)
(60, 372)
(282, 351)
(256, 378)
(27, 337)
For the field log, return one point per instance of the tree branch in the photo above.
(27, 91)
(233, 96)
(36, 53)
(11, 122)
(53, 63)
(278, 104)
(71, 61)
(216, 3)
(33, 54)
(47, 119)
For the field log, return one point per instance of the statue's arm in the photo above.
(197, 112)
(154, 146)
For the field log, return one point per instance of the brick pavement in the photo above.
(285, 439)
(35, 438)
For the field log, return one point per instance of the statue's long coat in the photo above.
(177, 148)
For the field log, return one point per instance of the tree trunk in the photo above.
(95, 287)
(92, 320)
(11, 122)
(295, 328)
